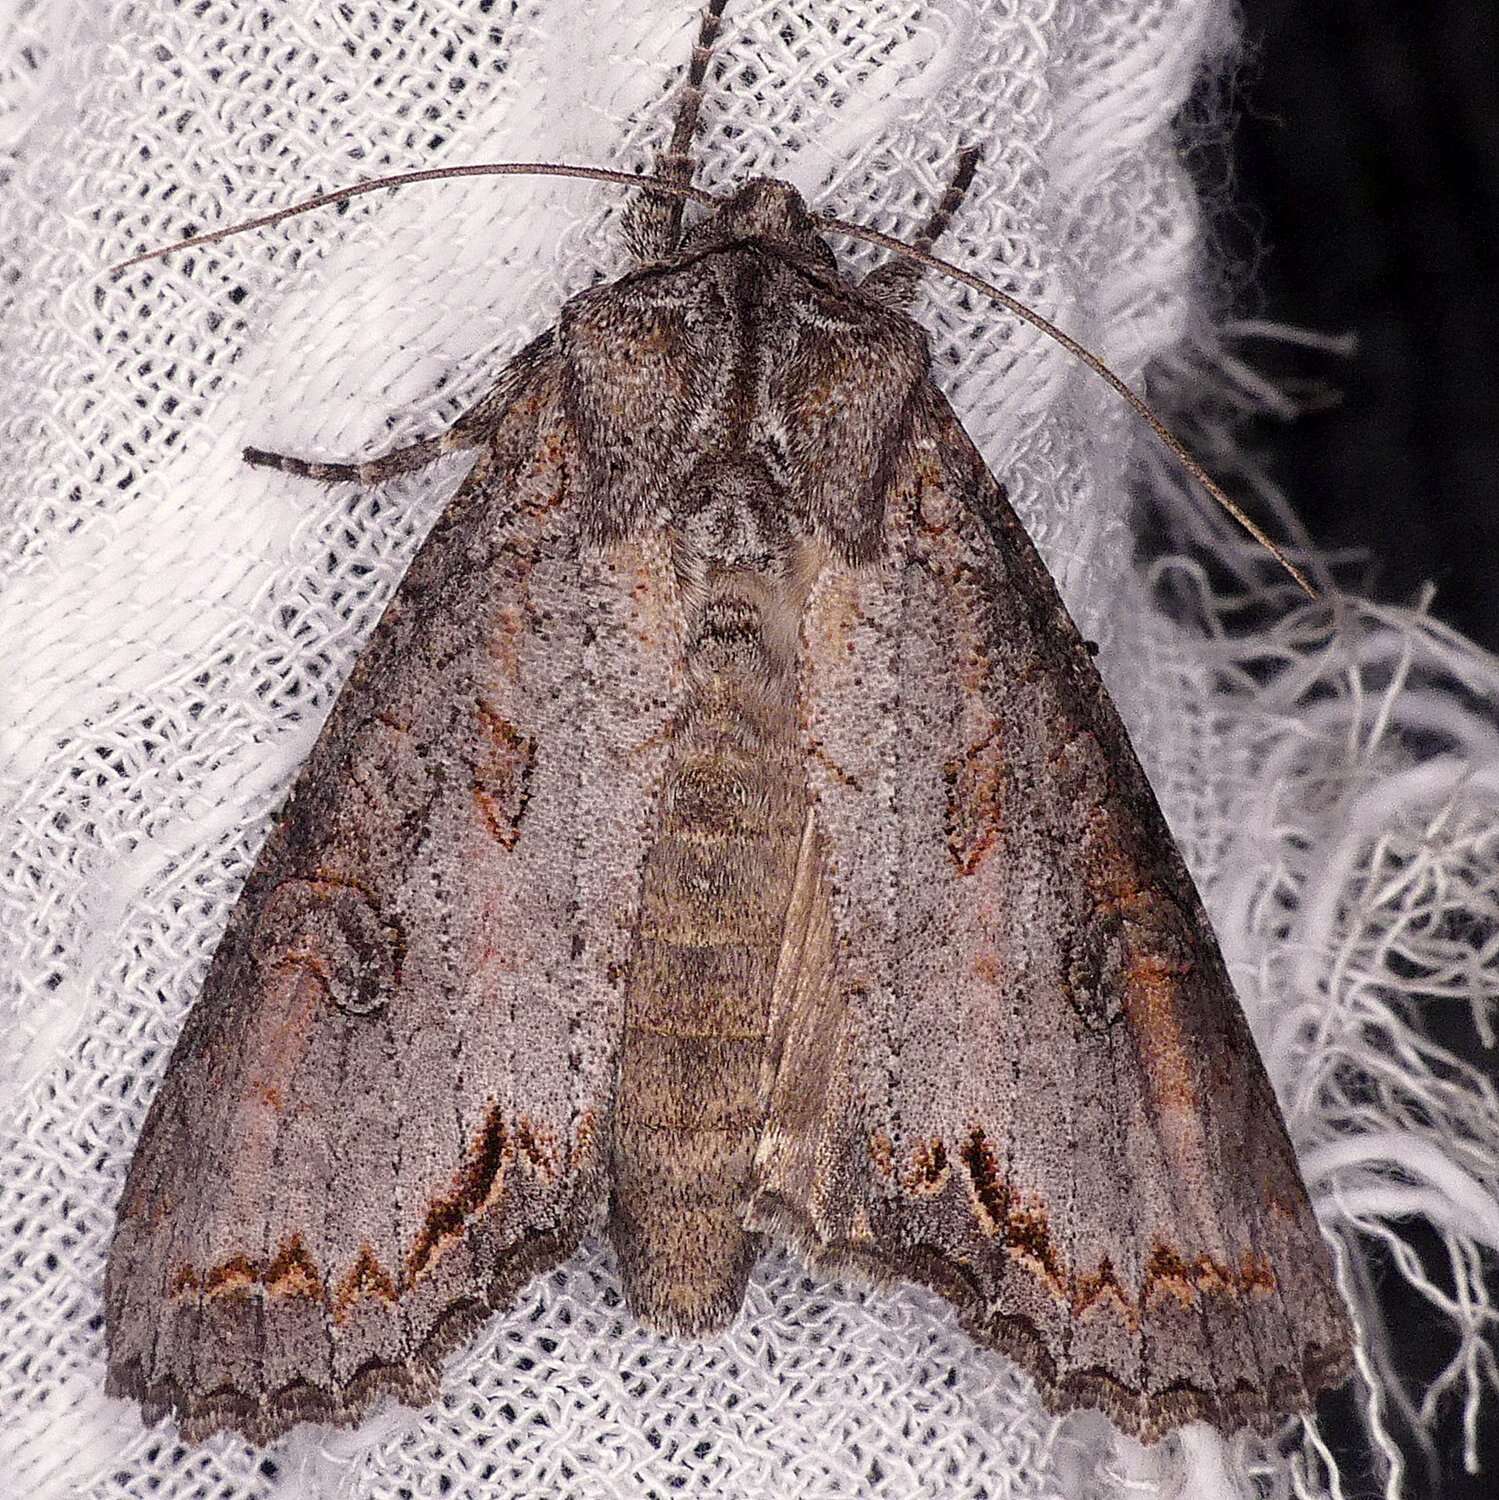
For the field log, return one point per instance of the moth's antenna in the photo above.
(826, 222)
(433, 174)
(1028, 315)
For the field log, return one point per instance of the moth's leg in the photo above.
(372, 472)
(653, 222)
(470, 430)
(894, 283)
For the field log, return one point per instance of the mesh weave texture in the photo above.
(176, 626)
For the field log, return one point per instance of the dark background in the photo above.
(1365, 170)
(1367, 164)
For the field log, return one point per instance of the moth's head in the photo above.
(762, 209)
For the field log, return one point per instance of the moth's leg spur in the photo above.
(470, 430)
(653, 222)
(894, 283)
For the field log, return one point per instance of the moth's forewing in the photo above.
(390, 1106)
(1011, 1063)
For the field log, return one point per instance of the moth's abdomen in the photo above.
(717, 884)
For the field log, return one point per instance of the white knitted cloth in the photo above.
(175, 625)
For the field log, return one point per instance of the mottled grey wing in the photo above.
(1008, 1059)
(389, 1108)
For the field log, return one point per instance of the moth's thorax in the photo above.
(751, 347)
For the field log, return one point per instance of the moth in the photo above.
(725, 838)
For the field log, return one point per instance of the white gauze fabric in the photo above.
(176, 625)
